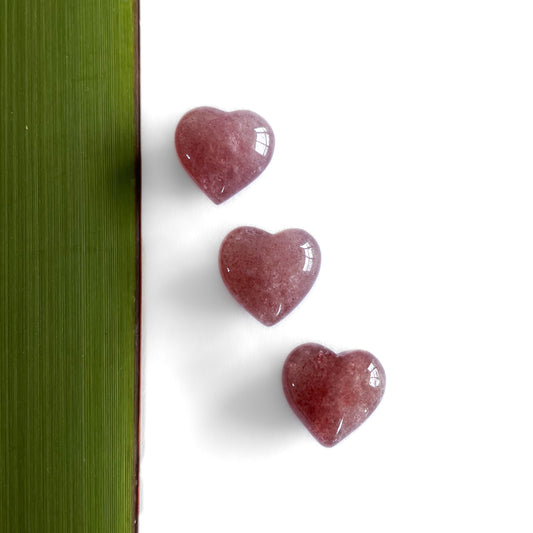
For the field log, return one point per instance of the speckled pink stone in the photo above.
(223, 152)
(332, 394)
(269, 274)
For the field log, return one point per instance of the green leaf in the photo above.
(69, 255)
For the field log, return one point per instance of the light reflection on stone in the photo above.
(374, 375)
(262, 140)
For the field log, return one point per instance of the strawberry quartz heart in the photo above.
(332, 394)
(269, 274)
(223, 152)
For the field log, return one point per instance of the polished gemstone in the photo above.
(223, 152)
(269, 274)
(332, 394)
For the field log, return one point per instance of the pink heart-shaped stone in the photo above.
(223, 152)
(332, 394)
(269, 274)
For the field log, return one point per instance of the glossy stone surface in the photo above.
(269, 274)
(332, 394)
(223, 152)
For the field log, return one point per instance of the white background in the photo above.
(404, 134)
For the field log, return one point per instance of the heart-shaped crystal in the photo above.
(223, 152)
(269, 274)
(332, 394)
